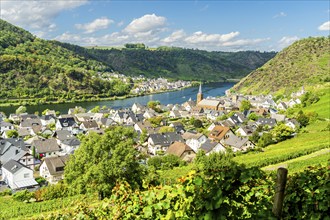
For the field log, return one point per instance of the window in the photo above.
(23, 160)
(26, 175)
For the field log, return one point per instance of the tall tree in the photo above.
(101, 161)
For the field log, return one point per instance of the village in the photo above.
(33, 146)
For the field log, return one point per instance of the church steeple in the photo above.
(199, 94)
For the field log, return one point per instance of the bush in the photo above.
(23, 195)
(6, 192)
(59, 190)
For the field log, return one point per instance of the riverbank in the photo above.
(165, 97)
(39, 101)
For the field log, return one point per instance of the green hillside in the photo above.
(176, 63)
(31, 67)
(304, 63)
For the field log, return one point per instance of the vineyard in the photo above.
(17, 209)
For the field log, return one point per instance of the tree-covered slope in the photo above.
(177, 63)
(304, 63)
(32, 67)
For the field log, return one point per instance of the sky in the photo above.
(207, 25)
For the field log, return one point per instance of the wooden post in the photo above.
(279, 191)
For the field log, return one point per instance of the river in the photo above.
(179, 97)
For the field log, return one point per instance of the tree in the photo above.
(282, 132)
(245, 105)
(143, 136)
(12, 133)
(265, 140)
(101, 161)
(198, 123)
(302, 118)
(20, 110)
(253, 116)
(96, 109)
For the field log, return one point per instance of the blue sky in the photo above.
(209, 25)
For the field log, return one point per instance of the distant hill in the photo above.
(305, 63)
(31, 67)
(176, 63)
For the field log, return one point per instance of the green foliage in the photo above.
(307, 194)
(59, 190)
(154, 105)
(245, 105)
(165, 129)
(143, 136)
(23, 195)
(176, 63)
(303, 119)
(101, 161)
(282, 132)
(309, 98)
(304, 63)
(198, 123)
(96, 109)
(165, 162)
(12, 133)
(265, 140)
(254, 137)
(6, 192)
(34, 68)
(21, 109)
(155, 121)
(253, 116)
(229, 192)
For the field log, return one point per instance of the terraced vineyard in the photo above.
(304, 149)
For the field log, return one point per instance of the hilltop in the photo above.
(304, 63)
(174, 62)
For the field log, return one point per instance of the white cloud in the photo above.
(244, 42)
(286, 41)
(200, 37)
(97, 24)
(175, 36)
(281, 14)
(36, 14)
(146, 23)
(325, 26)
(121, 23)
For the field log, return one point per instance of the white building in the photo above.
(17, 176)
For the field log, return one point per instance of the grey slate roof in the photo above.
(208, 145)
(166, 139)
(266, 121)
(63, 135)
(13, 166)
(67, 122)
(45, 145)
(236, 142)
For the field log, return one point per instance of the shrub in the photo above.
(23, 195)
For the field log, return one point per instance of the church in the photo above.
(210, 104)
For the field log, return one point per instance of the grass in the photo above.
(299, 164)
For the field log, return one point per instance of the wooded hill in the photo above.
(176, 63)
(304, 63)
(32, 67)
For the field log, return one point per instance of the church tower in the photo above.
(199, 94)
